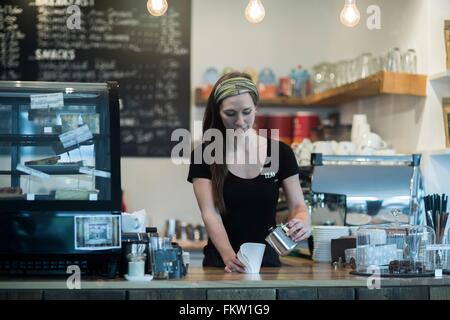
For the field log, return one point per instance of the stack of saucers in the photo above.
(322, 241)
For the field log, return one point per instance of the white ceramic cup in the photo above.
(306, 144)
(374, 141)
(364, 150)
(130, 223)
(305, 157)
(362, 131)
(251, 254)
(345, 148)
(136, 268)
(358, 119)
(334, 146)
(324, 147)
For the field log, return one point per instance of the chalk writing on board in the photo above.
(114, 41)
(11, 37)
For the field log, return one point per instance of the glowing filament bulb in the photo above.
(255, 12)
(157, 7)
(350, 14)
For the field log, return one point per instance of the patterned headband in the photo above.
(233, 87)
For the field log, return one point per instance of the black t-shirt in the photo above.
(250, 203)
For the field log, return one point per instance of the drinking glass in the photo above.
(376, 64)
(411, 247)
(352, 70)
(159, 247)
(341, 77)
(318, 78)
(409, 61)
(393, 60)
(364, 65)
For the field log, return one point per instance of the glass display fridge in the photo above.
(60, 191)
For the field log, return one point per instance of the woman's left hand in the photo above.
(298, 229)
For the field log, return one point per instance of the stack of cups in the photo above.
(304, 123)
(322, 241)
(359, 127)
(283, 123)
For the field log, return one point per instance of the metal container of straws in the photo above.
(437, 219)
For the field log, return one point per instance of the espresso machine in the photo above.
(362, 190)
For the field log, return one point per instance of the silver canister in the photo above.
(279, 239)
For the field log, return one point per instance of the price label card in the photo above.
(76, 136)
(438, 274)
(48, 100)
(48, 129)
(30, 196)
(32, 172)
(92, 196)
(98, 173)
(434, 247)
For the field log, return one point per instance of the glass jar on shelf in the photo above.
(393, 60)
(409, 61)
(267, 83)
(319, 77)
(363, 65)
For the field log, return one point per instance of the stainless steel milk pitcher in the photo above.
(279, 240)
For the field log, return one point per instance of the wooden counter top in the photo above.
(295, 272)
(297, 279)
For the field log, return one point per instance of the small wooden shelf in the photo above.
(443, 76)
(440, 83)
(377, 84)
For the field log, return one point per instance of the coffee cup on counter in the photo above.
(136, 264)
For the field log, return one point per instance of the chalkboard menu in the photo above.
(107, 40)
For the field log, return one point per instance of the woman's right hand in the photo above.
(232, 264)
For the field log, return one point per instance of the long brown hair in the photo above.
(212, 120)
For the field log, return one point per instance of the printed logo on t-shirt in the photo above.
(269, 175)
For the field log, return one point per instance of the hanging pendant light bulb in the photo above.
(350, 14)
(255, 12)
(157, 7)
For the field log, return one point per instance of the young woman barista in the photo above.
(238, 200)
